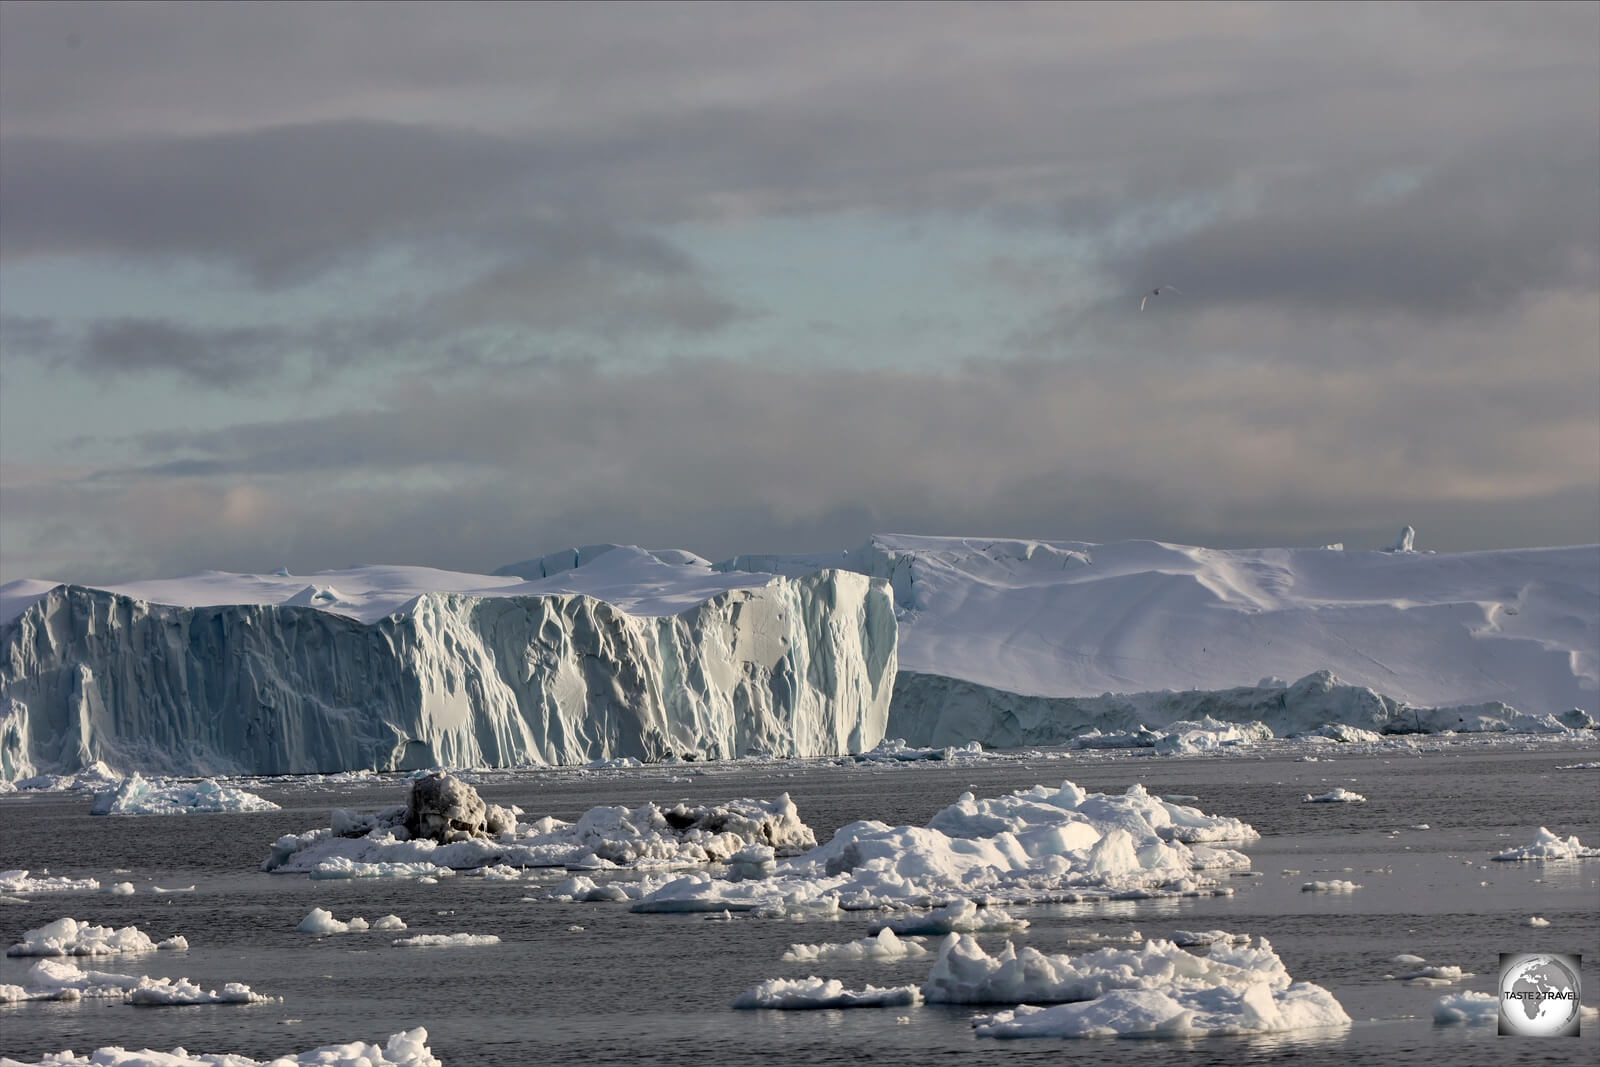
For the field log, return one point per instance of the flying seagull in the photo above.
(1158, 292)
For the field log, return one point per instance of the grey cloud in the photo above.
(283, 202)
(722, 458)
(1473, 236)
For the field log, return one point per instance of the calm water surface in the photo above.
(656, 989)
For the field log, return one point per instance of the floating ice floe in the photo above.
(1549, 846)
(179, 992)
(1200, 938)
(59, 980)
(1181, 738)
(406, 1049)
(1538, 920)
(19, 881)
(895, 750)
(1473, 1009)
(957, 917)
(51, 979)
(792, 994)
(1416, 971)
(1335, 885)
(645, 837)
(340, 867)
(1038, 845)
(121, 889)
(136, 795)
(322, 922)
(447, 941)
(69, 937)
(882, 946)
(1338, 795)
(1156, 990)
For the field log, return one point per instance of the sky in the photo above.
(316, 285)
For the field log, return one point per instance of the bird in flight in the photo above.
(1158, 292)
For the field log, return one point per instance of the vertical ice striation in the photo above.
(797, 667)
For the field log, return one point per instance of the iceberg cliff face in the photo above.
(796, 666)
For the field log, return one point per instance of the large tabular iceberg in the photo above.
(229, 674)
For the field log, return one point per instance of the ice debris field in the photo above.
(948, 880)
(909, 649)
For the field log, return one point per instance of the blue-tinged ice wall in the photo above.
(797, 667)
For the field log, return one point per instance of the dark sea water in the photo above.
(656, 989)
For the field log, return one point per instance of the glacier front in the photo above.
(311, 678)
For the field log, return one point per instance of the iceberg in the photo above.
(1549, 846)
(138, 796)
(906, 648)
(222, 675)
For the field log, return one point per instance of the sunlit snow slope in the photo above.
(986, 624)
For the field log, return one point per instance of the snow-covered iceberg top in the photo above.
(638, 580)
(69, 937)
(137, 795)
(1040, 844)
(1550, 846)
(650, 836)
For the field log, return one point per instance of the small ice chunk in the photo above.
(1549, 846)
(1338, 795)
(121, 889)
(19, 881)
(1538, 920)
(136, 795)
(791, 994)
(175, 992)
(883, 946)
(1473, 1009)
(1335, 885)
(446, 940)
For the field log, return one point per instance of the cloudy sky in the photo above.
(310, 286)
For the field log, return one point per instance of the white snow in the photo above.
(1338, 795)
(406, 1049)
(1550, 846)
(69, 937)
(138, 796)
